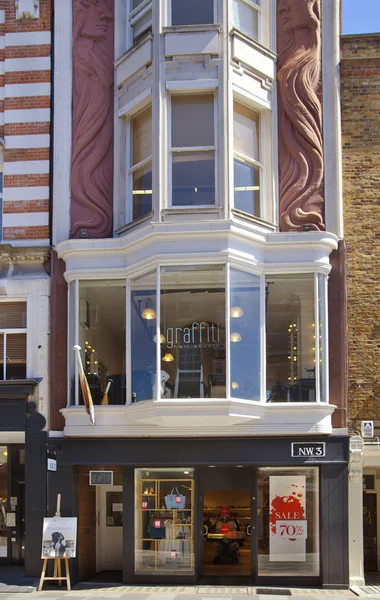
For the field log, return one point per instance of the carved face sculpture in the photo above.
(297, 14)
(97, 18)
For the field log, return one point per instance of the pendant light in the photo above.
(235, 337)
(168, 357)
(236, 312)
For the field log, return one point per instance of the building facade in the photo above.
(360, 81)
(25, 49)
(199, 265)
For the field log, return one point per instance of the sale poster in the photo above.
(287, 518)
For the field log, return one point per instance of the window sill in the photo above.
(253, 220)
(192, 28)
(133, 224)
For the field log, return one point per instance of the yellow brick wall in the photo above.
(360, 100)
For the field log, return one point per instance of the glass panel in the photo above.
(164, 521)
(3, 501)
(246, 131)
(136, 3)
(141, 26)
(102, 339)
(143, 330)
(16, 356)
(246, 18)
(114, 509)
(192, 120)
(290, 333)
(246, 187)
(322, 335)
(193, 178)
(193, 345)
(12, 315)
(288, 522)
(72, 340)
(142, 135)
(245, 335)
(142, 191)
(195, 12)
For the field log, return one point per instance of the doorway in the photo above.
(109, 531)
(227, 533)
(370, 531)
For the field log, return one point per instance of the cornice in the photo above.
(11, 255)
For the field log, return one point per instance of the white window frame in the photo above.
(11, 331)
(177, 150)
(133, 168)
(249, 160)
(133, 16)
(256, 5)
(215, 14)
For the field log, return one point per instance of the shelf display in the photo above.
(164, 537)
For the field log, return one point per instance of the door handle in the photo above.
(205, 530)
(249, 529)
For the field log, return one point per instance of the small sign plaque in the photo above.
(101, 477)
(367, 429)
(308, 449)
(11, 519)
(51, 464)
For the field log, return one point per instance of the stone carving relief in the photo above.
(92, 146)
(300, 115)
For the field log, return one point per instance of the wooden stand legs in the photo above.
(57, 575)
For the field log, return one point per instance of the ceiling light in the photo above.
(162, 339)
(168, 357)
(211, 466)
(235, 337)
(236, 312)
(186, 472)
(239, 466)
(148, 313)
(5, 453)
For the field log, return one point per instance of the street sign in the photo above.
(51, 464)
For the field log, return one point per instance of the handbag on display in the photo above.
(174, 501)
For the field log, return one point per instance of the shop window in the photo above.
(143, 337)
(12, 340)
(141, 163)
(196, 12)
(288, 522)
(245, 335)
(140, 19)
(193, 332)
(3, 501)
(247, 165)
(193, 150)
(291, 338)
(101, 331)
(246, 17)
(164, 521)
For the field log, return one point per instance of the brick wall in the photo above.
(360, 98)
(25, 49)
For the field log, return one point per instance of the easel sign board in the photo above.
(59, 538)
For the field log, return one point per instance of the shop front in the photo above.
(253, 511)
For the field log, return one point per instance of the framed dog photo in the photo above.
(59, 537)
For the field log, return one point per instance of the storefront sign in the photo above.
(287, 518)
(200, 333)
(51, 464)
(312, 449)
(101, 477)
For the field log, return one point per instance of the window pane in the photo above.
(245, 335)
(164, 523)
(290, 338)
(192, 121)
(247, 188)
(288, 504)
(246, 18)
(143, 331)
(193, 178)
(193, 327)
(142, 191)
(136, 3)
(246, 131)
(195, 12)
(142, 136)
(102, 339)
(16, 356)
(3, 501)
(142, 25)
(12, 315)
(322, 334)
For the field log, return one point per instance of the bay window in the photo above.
(246, 17)
(247, 164)
(139, 18)
(183, 332)
(12, 340)
(141, 163)
(192, 150)
(196, 12)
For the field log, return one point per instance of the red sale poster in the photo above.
(287, 518)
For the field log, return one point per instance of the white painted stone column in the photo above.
(355, 531)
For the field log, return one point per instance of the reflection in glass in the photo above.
(245, 353)
(3, 501)
(142, 191)
(143, 330)
(290, 338)
(288, 522)
(164, 521)
(193, 323)
(246, 187)
(193, 178)
(12, 343)
(195, 12)
(102, 339)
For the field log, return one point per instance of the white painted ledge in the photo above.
(199, 417)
